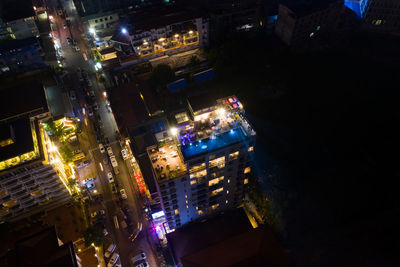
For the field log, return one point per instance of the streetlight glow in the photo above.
(174, 131)
(124, 31)
(92, 31)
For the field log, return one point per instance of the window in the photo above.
(226, 201)
(234, 155)
(105, 19)
(220, 162)
(192, 182)
(246, 181)
(176, 212)
(216, 191)
(250, 149)
(197, 167)
(199, 174)
(215, 181)
(101, 20)
(227, 191)
(200, 212)
(110, 17)
(95, 21)
(213, 207)
(247, 170)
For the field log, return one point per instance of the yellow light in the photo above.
(176, 35)
(221, 111)
(161, 39)
(190, 32)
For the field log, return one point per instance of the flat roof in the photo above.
(6, 45)
(226, 240)
(55, 99)
(22, 98)
(12, 11)
(304, 7)
(23, 141)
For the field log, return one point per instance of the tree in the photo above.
(194, 62)
(71, 182)
(94, 234)
(102, 79)
(66, 153)
(161, 75)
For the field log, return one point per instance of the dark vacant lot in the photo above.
(328, 141)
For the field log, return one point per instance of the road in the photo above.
(103, 122)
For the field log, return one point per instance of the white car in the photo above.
(113, 161)
(139, 257)
(101, 147)
(110, 177)
(77, 49)
(109, 151)
(123, 194)
(124, 153)
(110, 250)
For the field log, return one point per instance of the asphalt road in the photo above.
(89, 145)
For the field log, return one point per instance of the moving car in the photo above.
(110, 250)
(123, 193)
(97, 213)
(101, 147)
(132, 237)
(110, 177)
(124, 153)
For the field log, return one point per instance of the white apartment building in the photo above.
(202, 166)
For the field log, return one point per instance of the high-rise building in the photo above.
(28, 183)
(380, 15)
(201, 164)
(298, 21)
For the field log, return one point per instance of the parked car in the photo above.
(124, 153)
(109, 250)
(123, 193)
(114, 162)
(109, 151)
(142, 264)
(101, 147)
(89, 83)
(113, 259)
(97, 213)
(113, 189)
(110, 177)
(91, 93)
(77, 49)
(65, 26)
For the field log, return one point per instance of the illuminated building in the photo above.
(380, 15)
(298, 21)
(28, 183)
(201, 165)
(156, 33)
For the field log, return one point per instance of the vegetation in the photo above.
(66, 153)
(94, 235)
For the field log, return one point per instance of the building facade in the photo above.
(379, 15)
(298, 22)
(202, 165)
(20, 55)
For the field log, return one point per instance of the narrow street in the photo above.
(100, 123)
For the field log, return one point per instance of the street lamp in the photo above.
(125, 31)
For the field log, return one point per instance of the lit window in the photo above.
(247, 170)
(216, 191)
(311, 34)
(226, 201)
(187, 206)
(197, 168)
(234, 155)
(246, 181)
(229, 181)
(200, 212)
(213, 207)
(215, 181)
(192, 182)
(176, 211)
(185, 196)
(251, 149)
(220, 162)
(227, 191)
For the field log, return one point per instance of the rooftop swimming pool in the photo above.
(208, 145)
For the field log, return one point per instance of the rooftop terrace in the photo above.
(212, 130)
(167, 161)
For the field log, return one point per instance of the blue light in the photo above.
(190, 143)
(199, 141)
(232, 131)
(124, 31)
